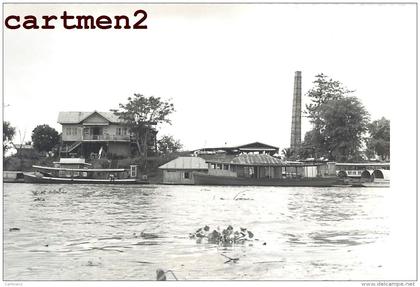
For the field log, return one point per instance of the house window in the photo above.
(68, 131)
(133, 171)
(186, 175)
(226, 167)
(121, 131)
(212, 166)
(74, 131)
(219, 166)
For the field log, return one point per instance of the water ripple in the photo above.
(100, 232)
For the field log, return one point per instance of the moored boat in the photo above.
(70, 170)
(13, 176)
(265, 170)
(206, 179)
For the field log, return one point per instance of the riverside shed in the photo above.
(180, 170)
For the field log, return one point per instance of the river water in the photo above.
(94, 232)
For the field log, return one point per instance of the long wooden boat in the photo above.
(71, 171)
(206, 179)
(39, 178)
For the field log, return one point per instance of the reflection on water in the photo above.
(100, 232)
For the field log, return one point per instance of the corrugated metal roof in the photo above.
(77, 117)
(186, 162)
(217, 157)
(249, 159)
(363, 164)
(256, 159)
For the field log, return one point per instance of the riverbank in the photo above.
(151, 168)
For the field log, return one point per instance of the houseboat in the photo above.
(181, 170)
(368, 174)
(265, 170)
(76, 170)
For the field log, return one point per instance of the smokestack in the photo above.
(295, 139)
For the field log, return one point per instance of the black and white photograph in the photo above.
(210, 141)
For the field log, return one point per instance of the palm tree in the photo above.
(287, 153)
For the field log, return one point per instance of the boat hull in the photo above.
(32, 178)
(13, 177)
(205, 179)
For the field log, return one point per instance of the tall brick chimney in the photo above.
(295, 139)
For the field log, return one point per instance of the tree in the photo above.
(8, 134)
(141, 114)
(45, 138)
(287, 153)
(167, 144)
(379, 140)
(324, 90)
(339, 121)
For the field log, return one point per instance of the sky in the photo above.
(228, 68)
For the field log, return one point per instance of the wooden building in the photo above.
(25, 150)
(96, 134)
(180, 170)
(254, 148)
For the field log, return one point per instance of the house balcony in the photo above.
(102, 138)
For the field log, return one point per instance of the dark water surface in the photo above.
(92, 232)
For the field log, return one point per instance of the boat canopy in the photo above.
(80, 169)
(72, 161)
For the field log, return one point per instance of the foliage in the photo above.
(323, 91)
(287, 153)
(379, 140)
(339, 121)
(141, 114)
(226, 237)
(45, 138)
(8, 134)
(167, 144)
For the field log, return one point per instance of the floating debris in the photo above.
(143, 262)
(14, 229)
(234, 260)
(42, 192)
(161, 275)
(148, 235)
(225, 237)
(91, 263)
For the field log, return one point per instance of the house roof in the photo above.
(186, 162)
(72, 161)
(249, 159)
(23, 146)
(78, 117)
(363, 164)
(255, 146)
